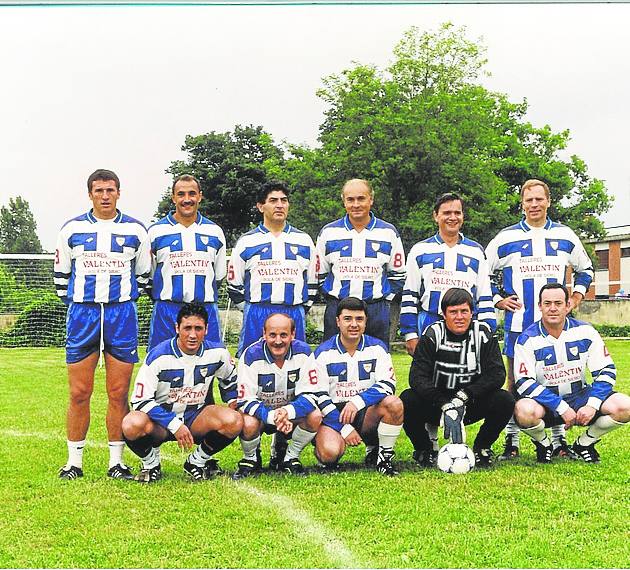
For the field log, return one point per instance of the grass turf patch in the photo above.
(520, 514)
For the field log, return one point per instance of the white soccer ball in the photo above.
(456, 458)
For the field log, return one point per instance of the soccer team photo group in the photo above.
(345, 391)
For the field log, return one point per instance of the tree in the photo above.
(18, 230)
(424, 126)
(231, 167)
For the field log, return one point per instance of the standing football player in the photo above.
(523, 258)
(272, 268)
(359, 405)
(360, 256)
(173, 401)
(102, 263)
(550, 362)
(188, 262)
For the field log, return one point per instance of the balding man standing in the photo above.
(360, 256)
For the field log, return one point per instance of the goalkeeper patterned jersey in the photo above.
(264, 387)
(363, 378)
(369, 264)
(445, 362)
(528, 258)
(102, 261)
(188, 262)
(550, 370)
(432, 269)
(273, 269)
(171, 383)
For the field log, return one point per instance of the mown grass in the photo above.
(563, 515)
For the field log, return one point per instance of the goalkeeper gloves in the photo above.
(453, 418)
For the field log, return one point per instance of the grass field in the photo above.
(567, 514)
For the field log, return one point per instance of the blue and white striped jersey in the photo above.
(547, 368)
(369, 264)
(171, 382)
(102, 261)
(363, 378)
(529, 258)
(263, 386)
(432, 269)
(188, 262)
(268, 269)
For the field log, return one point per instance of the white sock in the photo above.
(601, 426)
(538, 433)
(387, 436)
(152, 459)
(75, 453)
(199, 457)
(557, 433)
(116, 449)
(250, 447)
(512, 429)
(433, 435)
(300, 439)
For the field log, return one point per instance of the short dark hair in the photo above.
(553, 286)
(447, 197)
(185, 178)
(283, 315)
(456, 296)
(269, 187)
(102, 174)
(352, 304)
(193, 309)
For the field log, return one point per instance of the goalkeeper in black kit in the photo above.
(455, 380)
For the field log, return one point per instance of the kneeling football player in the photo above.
(357, 373)
(276, 384)
(550, 362)
(172, 399)
(455, 379)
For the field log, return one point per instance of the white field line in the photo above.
(336, 550)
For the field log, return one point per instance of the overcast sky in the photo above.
(120, 87)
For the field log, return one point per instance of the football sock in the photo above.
(369, 448)
(142, 446)
(250, 447)
(215, 441)
(538, 433)
(116, 449)
(301, 438)
(199, 456)
(152, 459)
(557, 434)
(75, 453)
(602, 425)
(433, 435)
(387, 436)
(278, 441)
(512, 429)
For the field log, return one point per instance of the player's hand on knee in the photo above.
(510, 304)
(410, 345)
(585, 415)
(348, 413)
(184, 437)
(353, 438)
(569, 418)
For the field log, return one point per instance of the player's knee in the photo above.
(118, 394)
(618, 408)
(80, 394)
(232, 422)
(313, 420)
(393, 408)
(134, 425)
(251, 427)
(329, 450)
(526, 413)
